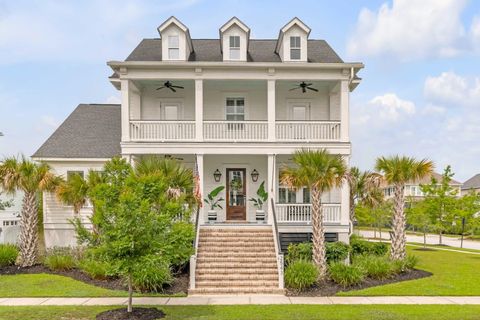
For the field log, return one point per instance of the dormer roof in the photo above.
(233, 21)
(180, 25)
(290, 24)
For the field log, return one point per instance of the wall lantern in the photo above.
(254, 175)
(217, 175)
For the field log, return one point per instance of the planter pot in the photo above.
(260, 216)
(212, 216)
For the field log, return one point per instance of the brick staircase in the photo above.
(236, 260)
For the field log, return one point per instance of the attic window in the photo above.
(234, 47)
(173, 48)
(295, 48)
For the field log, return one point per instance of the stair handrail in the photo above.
(193, 258)
(278, 247)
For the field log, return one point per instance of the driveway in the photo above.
(431, 239)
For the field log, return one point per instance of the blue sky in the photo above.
(420, 95)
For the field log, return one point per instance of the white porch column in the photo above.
(199, 110)
(271, 109)
(201, 216)
(344, 111)
(125, 111)
(270, 185)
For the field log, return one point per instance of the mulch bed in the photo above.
(179, 285)
(330, 288)
(136, 314)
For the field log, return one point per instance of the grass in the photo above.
(255, 312)
(454, 274)
(50, 285)
(438, 246)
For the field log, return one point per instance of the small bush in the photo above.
(299, 252)
(95, 269)
(154, 275)
(301, 274)
(60, 259)
(8, 254)
(404, 265)
(375, 267)
(337, 251)
(346, 275)
(363, 247)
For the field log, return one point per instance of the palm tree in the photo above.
(320, 171)
(31, 178)
(362, 186)
(73, 192)
(397, 170)
(179, 178)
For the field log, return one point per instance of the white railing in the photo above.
(146, 130)
(302, 213)
(307, 130)
(235, 130)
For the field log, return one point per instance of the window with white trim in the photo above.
(234, 47)
(235, 109)
(70, 174)
(287, 195)
(173, 47)
(295, 49)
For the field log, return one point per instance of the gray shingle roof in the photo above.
(472, 183)
(319, 51)
(90, 131)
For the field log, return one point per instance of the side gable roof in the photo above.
(472, 183)
(90, 131)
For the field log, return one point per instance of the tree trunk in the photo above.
(319, 254)
(352, 208)
(130, 294)
(399, 240)
(440, 237)
(28, 230)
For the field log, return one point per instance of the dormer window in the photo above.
(295, 48)
(234, 47)
(173, 47)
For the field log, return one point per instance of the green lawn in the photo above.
(271, 312)
(454, 274)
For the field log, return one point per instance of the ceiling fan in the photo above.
(170, 86)
(169, 156)
(304, 86)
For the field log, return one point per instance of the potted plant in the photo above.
(258, 202)
(213, 201)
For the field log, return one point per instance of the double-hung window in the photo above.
(287, 195)
(295, 49)
(173, 48)
(70, 174)
(235, 111)
(234, 47)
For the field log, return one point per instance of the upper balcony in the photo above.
(235, 111)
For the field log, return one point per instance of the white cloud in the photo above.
(432, 109)
(475, 33)
(410, 30)
(452, 90)
(390, 107)
(49, 121)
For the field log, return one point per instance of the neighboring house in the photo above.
(413, 188)
(10, 218)
(472, 184)
(234, 108)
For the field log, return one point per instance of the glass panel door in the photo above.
(236, 194)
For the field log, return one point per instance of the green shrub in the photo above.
(346, 275)
(404, 265)
(60, 259)
(95, 269)
(180, 245)
(337, 251)
(299, 252)
(153, 276)
(8, 254)
(301, 274)
(375, 267)
(363, 247)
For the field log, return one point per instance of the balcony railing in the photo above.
(302, 213)
(235, 130)
(307, 130)
(146, 130)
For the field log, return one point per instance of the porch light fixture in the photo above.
(217, 175)
(254, 175)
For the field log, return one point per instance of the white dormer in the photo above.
(234, 37)
(176, 41)
(292, 41)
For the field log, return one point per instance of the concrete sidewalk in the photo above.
(237, 300)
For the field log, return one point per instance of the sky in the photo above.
(420, 93)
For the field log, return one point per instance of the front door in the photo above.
(236, 195)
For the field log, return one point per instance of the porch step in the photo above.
(236, 260)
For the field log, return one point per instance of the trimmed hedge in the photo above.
(300, 275)
(364, 247)
(335, 251)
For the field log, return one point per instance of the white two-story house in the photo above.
(234, 108)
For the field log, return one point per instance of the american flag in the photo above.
(197, 193)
